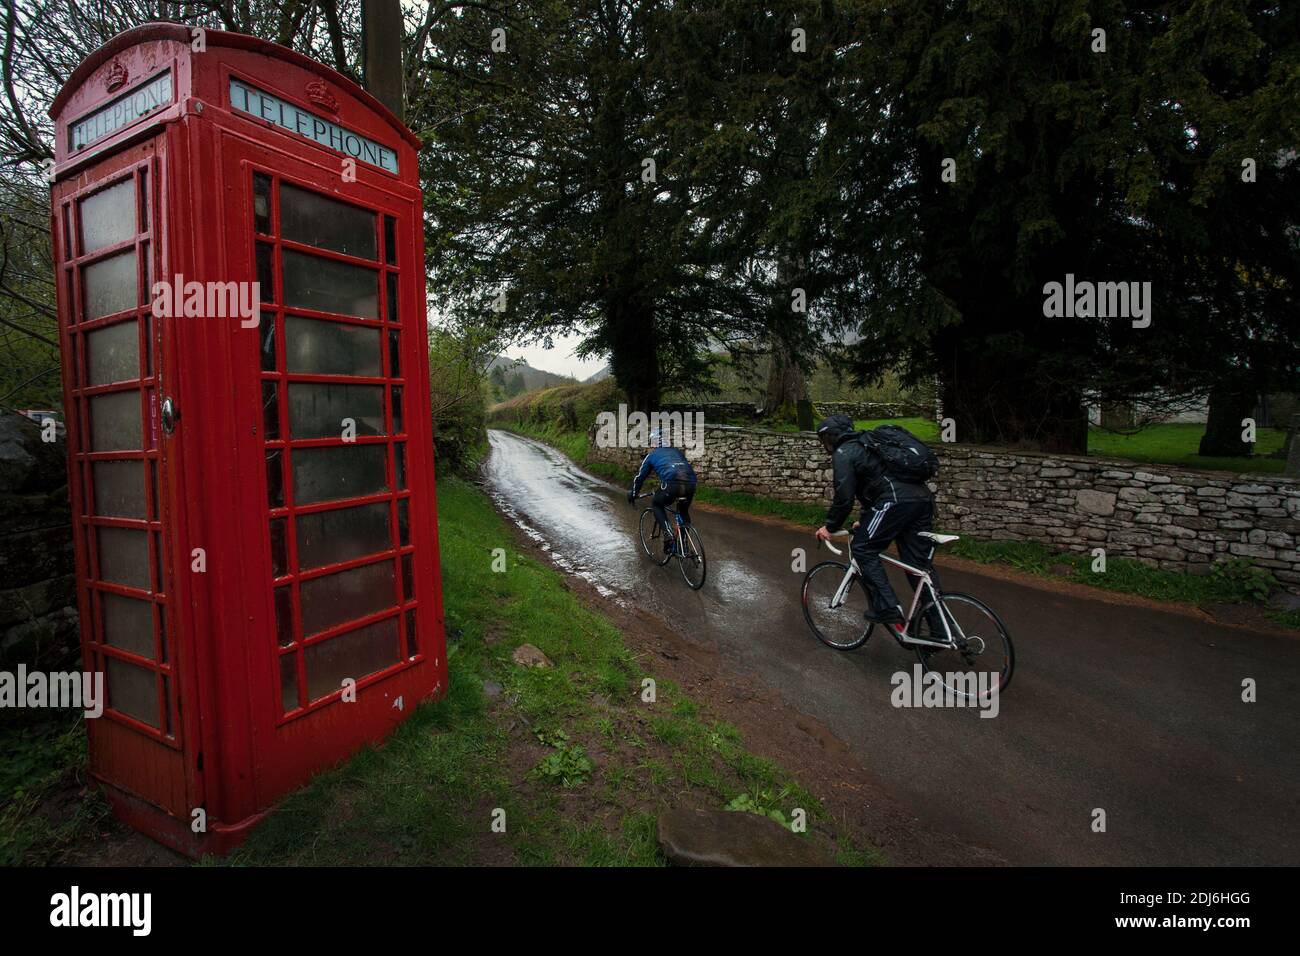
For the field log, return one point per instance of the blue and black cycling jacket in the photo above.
(668, 463)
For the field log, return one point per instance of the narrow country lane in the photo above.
(1132, 710)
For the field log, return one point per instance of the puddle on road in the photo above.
(584, 524)
(582, 538)
(563, 563)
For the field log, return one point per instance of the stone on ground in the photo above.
(733, 838)
(526, 655)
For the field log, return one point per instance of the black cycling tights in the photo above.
(666, 495)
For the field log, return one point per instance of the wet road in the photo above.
(1130, 710)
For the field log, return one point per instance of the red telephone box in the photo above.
(251, 468)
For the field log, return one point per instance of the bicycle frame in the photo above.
(679, 528)
(679, 525)
(926, 582)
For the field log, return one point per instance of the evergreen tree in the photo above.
(1123, 165)
(555, 204)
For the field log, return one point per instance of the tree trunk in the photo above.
(633, 359)
(1292, 467)
(787, 386)
(1230, 402)
(996, 394)
(1117, 415)
(786, 397)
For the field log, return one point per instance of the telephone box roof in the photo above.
(182, 33)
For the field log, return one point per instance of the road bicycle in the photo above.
(688, 549)
(974, 641)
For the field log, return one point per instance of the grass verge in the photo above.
(1233, 581)
(45, 805)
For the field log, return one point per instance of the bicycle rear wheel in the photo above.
(984, 657)
(652, 538)
(692, 560)
(836, 624)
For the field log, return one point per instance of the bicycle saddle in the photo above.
(938, 538)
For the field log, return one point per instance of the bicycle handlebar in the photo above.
(842, 533)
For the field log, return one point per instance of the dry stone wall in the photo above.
(747, 411)
(1172, 518)
(38, 617)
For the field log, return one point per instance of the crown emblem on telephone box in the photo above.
(320, 94)
(116, 78)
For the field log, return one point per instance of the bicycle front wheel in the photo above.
(652, 538)
(833, 606)
(983, 658)
(692, 558)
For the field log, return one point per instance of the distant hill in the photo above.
(534, 378)
(598, 376)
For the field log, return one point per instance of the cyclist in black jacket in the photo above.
(898, 510)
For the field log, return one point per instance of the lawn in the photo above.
(1172, 444)
(926, 429)
(1176, 444)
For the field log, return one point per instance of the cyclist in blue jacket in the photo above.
(676, 481)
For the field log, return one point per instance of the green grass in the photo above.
(44, 757)
(926, 429)
(1283, 618)
(798, 512)
(1233, 581)
(1156, 444)
(1175, 444)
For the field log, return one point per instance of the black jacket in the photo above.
(860, 474)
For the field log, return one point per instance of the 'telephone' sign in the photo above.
(319, 130)
(125, 109)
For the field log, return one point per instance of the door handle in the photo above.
(170, 415)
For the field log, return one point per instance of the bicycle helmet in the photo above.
(657, 438)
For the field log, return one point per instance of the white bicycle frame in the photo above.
(842, 593)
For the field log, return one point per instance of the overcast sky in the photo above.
(560, 359)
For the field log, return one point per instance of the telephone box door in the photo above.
(124, 468)
(335, 376)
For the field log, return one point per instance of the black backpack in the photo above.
(907, 458)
